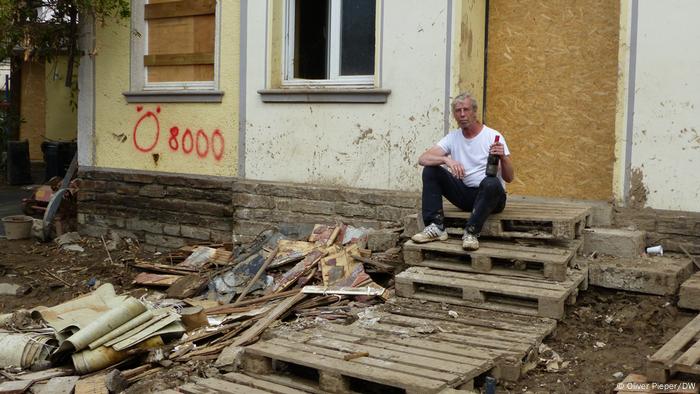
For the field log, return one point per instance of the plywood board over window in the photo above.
(181, 40)
(551, 89)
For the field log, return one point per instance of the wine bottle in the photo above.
(492, 162)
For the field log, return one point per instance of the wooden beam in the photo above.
(179, 59)
(180, 8)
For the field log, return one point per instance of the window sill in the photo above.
(165, 96)
(324, 95)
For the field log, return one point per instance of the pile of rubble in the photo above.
(202, 300)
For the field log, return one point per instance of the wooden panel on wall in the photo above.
(33, 109)
(551, 89)
(194, 34)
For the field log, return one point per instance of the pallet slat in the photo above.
(517, 295)
(344, 368)
(552, 262)
(526, 220)
(680, 354)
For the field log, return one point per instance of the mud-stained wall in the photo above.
(665, 154)
(190, 138)
(550, 89)
(358, 145)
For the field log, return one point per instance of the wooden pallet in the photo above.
(528, 296)
(322, 359)
(522, 219)
(494, 257)
(512, 339)
(679, 355)
(236, 383)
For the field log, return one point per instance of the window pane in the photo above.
(311, 39)
(357, 37)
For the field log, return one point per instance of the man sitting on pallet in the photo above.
(463, 152)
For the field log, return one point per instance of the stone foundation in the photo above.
(166, 211)
(671, 229)
(163, 211)
(295, 208)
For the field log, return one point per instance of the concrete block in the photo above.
(649, 274)
(410, 225)
(614, 242)
(381, 240)
(689, 295)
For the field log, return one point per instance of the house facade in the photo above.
(253, 113)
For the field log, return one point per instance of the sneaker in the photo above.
(470, 242)
(430, 233)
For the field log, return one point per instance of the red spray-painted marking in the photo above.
(216, 136)
(202, 153)
(148, 148)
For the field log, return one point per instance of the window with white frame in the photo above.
(330, 42)
(175, 51)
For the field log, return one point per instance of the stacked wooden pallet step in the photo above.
(526, 262)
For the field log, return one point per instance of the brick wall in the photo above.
(668, 228)
(167, 211)
(296, 207)
(164, 211)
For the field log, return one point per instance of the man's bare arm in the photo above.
(435, 156)
(507, 170)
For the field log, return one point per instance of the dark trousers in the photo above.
(481, 201)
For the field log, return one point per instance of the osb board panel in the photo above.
(33, 107)
(551, 89)
(191, 34)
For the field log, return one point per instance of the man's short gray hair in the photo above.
(464, 96)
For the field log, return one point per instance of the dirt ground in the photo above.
(604, 333)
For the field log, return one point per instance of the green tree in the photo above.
(50, 27)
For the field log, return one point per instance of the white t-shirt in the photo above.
(472, 153)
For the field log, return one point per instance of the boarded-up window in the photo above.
(181, 40)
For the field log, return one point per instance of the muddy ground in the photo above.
(604, 333)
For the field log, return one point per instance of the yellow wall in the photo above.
(46, 107)
(472, 41)
(33, 107)
(116, 121)
(61, 117)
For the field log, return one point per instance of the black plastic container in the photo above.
(18, 164)
(57, 156)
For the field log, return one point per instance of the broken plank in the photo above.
(60, 385)
(15, 386)
(225, 386)
(161, 280)
(260, 384)
(262, 324)
(94, 384)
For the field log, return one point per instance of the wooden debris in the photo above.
(94, 384)
(161, 280)
(15, 386)
(364, 291)
(257, 276)
(187, 286)
(163, 268)
(250, 334)
(355, 355)
(229, 308)
(61, 385)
